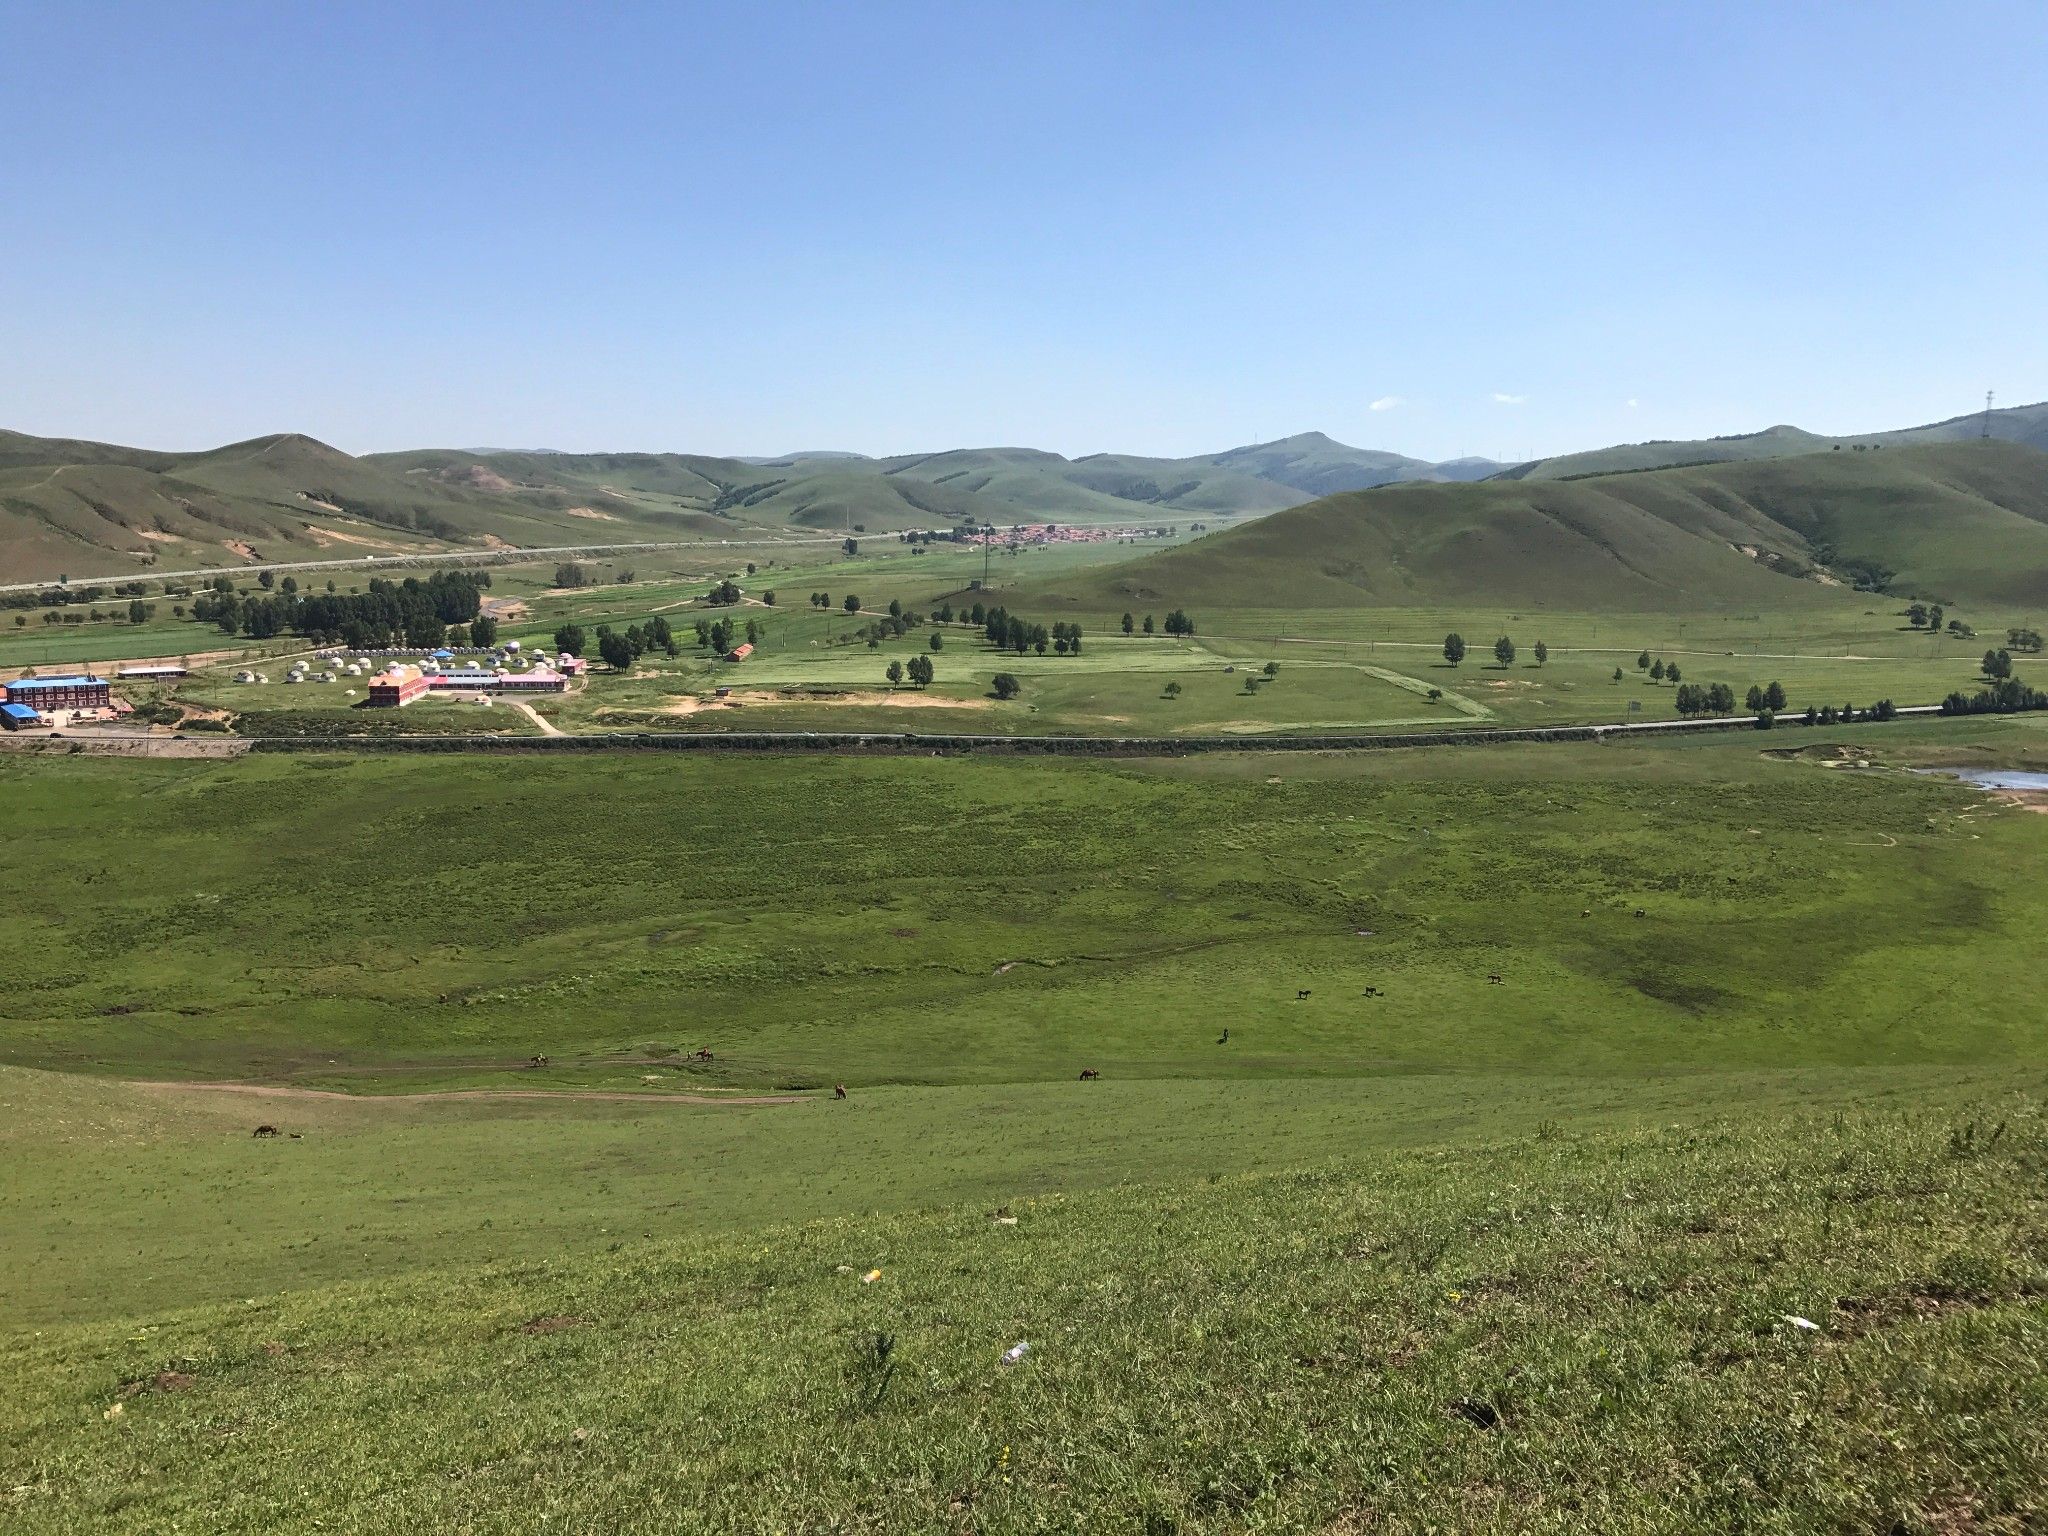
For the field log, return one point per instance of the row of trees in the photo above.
(2007, 696)
(1007, 631)
(1177, 623)
(1504, 650)
(919, 670)
(414, 611)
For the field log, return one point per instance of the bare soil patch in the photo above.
(593, 514)
(859, 698)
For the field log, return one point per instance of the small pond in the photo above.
(1993, 778)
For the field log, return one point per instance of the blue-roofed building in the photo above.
(77, 690)
(15, 716)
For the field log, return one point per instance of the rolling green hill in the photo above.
(2023, 424)
(97, 509)
(1961, 522)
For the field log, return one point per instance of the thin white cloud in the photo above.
(1501, 399)
(1385, 403)
(1633, 402)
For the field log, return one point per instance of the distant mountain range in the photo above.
(2025, 424)
(95, 509)
(70, 507)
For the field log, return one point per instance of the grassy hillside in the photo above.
(98, 510)
(1548, 1331)
(1962, 522)
(2026, 425)
(93, 510)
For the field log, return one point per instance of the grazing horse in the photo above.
(1494, 979)
(1089, 1074)
(839, 1090)
(700, 1056)
(1301, 996)
(536, 1061)
(1224, 1038)
(265, 1131)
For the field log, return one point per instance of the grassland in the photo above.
(1355, 666)
(1766, 1042)
(1552, 1331)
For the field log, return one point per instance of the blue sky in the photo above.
(1445, 229)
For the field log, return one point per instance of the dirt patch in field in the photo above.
(593, 514)
(328, 537)
(492, 541)
(239, 547)
(162, 1381)
(156, 535)
(505, 607)
(855, 697)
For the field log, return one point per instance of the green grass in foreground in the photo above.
(1544, 1332)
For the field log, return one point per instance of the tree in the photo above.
(1643, 662)
(852, 603)
(1006, 686)
(938, 641)
(921, 671)
(289, 585)
(1721, 699)
(483, 631)
(1504, 651)
(1916, 614)
(137, 611)
(570, 575)
(1454, 648)
(1178, 623)
(1934, 616)
(570, 638)
(1129, 623)
(1671, 673)
(616, 650)
(724, 595)
(1998, 664)
(266, 579)
(1754, 699)
(1271, 669)
(852, 546)
(751, 567)
(753, 631)
(1774, 696)
(1148, 623)
(895, 607)
(1657, 670)
(1542, 653)
(1173, 690)
(1618, 674)
(766, 597)
(895, 673)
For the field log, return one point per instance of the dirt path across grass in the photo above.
(275, 1091)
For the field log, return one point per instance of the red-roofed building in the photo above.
(399, 686)
(740, 652)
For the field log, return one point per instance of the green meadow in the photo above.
(1345, 1232)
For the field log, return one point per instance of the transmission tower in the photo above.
(1987, 415)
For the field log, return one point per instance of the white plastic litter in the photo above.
(1016, 1352)
(1801, 1322)
(1006, 1221)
